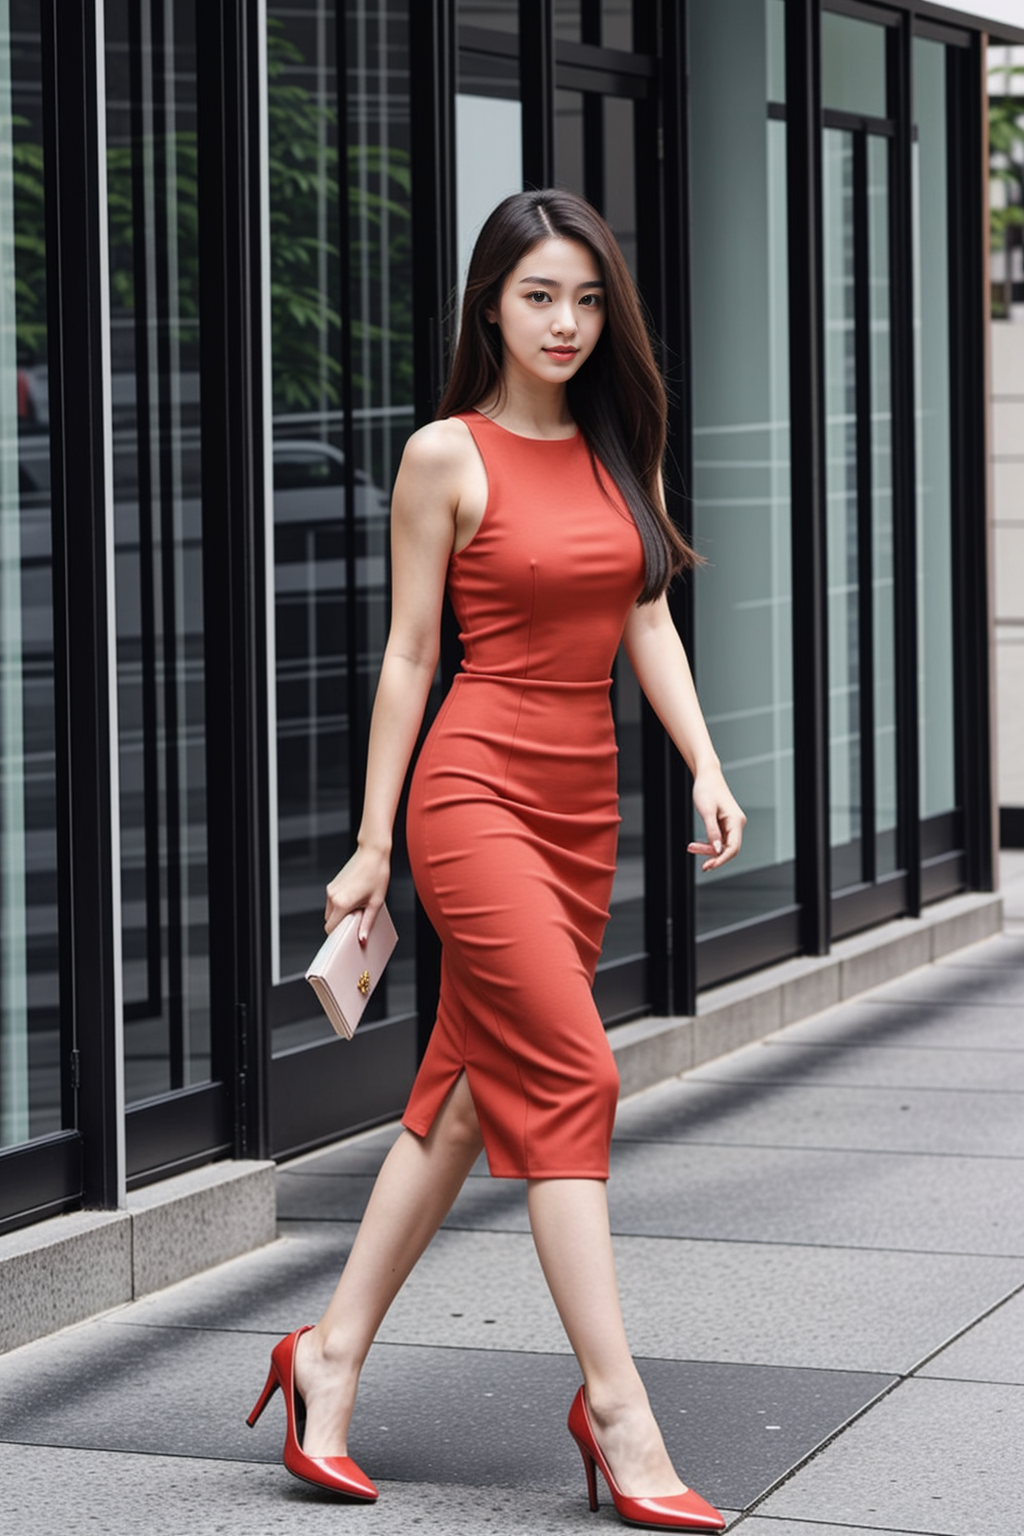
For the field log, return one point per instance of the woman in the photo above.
(535, 498)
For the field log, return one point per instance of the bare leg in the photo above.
(415, 1189)
(571, 1230)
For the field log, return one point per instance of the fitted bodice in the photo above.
(543, 589)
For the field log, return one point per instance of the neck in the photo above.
(530, 407)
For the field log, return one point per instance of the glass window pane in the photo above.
(30, 1060)
(311, 597)
(777, 50)
(488, 163)
(378, 153)
(332, 475)
(934, 432)
(568, 20)
(741, 484)
(619, 202)
(853, 72)
(617, 24)
(497, 15)
(152, 179)
(882, 538)
(844, 680)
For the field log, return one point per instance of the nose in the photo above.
(563, 319)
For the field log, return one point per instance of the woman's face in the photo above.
(551, 311)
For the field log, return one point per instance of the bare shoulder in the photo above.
(441, 449)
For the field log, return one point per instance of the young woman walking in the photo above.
(536, 500)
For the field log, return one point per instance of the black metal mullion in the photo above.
(969, 554)
(810, 577)
(432, 50)
(901, 262)
(537, 90)
(435, 255)
(83, 602)
(865, 492)
(663, 185)
(593, 115)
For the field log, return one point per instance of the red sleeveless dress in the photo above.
(513, 809)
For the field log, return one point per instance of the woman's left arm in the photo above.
(657, 656)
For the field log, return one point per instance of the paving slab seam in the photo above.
(788, 1521)
(861, 1413)
(811, 1146)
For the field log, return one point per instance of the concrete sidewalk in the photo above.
(821, 1250)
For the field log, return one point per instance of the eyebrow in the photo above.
(551, 282)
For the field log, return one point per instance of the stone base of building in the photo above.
(740, 1012)
(71, 1267)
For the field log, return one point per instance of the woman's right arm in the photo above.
(423, 512)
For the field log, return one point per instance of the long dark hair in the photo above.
(617, 398)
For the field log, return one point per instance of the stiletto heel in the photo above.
(264, 1397)
(339, 1474)
(675, 1512)
(590, 1468)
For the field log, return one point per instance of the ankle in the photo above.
(334, 1352)
(609, 1402)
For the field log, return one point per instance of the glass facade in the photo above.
(30, 1063)
(277, 211)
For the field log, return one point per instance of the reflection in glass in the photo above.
(844, 680)
(30, 1064)
(853, 72)
(311, 614)
(883, 587)
(860, 539)
(334, 466)
(158, 577)
(496, 15)
(741, 483)
(776, 18)
(488, 163)
(934, 431)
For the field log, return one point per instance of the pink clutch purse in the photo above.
(344, 972)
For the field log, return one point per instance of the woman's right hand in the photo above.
(362, 883)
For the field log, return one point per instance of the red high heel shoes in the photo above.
(676, 1512)
(339, 1474)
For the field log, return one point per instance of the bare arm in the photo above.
(423, 520)
(657, 656)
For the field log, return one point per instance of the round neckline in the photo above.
(522, 436)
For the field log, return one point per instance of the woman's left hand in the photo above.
(722, 817)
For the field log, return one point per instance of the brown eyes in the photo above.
(589, 300)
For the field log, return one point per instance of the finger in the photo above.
(368, 919)
(714, 832)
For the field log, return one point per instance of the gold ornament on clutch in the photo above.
(364, 983)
